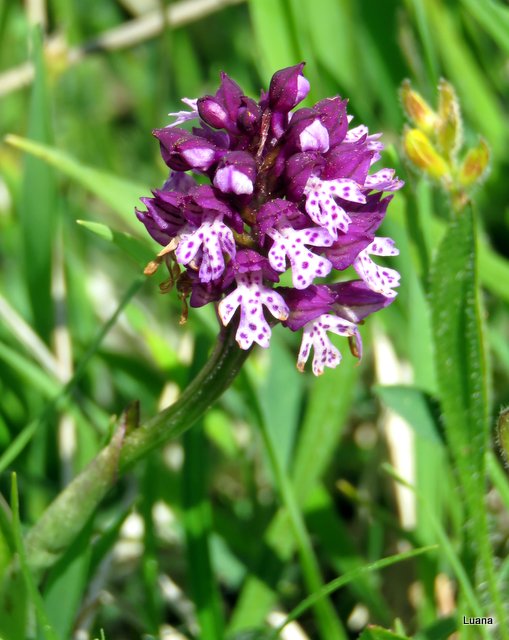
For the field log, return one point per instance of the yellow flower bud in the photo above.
(417, 109)
(450, 126)
(423, 154)
(475, 164)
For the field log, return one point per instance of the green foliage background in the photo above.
(285, 484)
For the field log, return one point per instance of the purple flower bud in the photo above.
(182, 150)
(249, 116)
(287, 88)
(307, 133)
(213, 113)
(236, 173)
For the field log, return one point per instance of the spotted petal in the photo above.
(383, 180)
(322, 207)
(251, 295)
(214, 239)
(379, 279)
(325, 353)
(306, 265)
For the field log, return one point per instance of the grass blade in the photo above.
(32, 590)
(38, 204)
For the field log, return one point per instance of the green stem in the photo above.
(328, 623)
(67, 514)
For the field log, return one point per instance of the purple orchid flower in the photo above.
(290, 190)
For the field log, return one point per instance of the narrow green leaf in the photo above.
(38, 206)
(122, 196)
(29, 579)
(336, 584)
(136, 249)
(492, 16)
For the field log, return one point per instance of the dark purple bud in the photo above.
(236, 173)
(287, 88)
(299, 168)
(249, 116)
(306, 304)
(307, 133)
(354, 300)
(213, 113)
(333, 116)
(163, 218)
(182, 150)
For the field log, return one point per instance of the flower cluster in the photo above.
(288, 190)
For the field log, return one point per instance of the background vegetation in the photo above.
(289, 481)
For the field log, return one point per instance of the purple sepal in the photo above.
(348, 161)
(179, 181)
(354, 300)
(202, 294)
(182, 150)
(346, 248)
(332, 112)
(204, 199)
(306, 304)
(249, 261)
(270, 213)
(287, 88)
(367, 217)
(299, 169)
(163, 218)
(218, 138)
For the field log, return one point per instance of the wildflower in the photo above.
(289, 190)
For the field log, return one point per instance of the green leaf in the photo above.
(136, 249)
(38, 205)
(30, 582)
(459, 351)
(122, 196)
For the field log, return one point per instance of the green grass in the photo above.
(279, 495)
